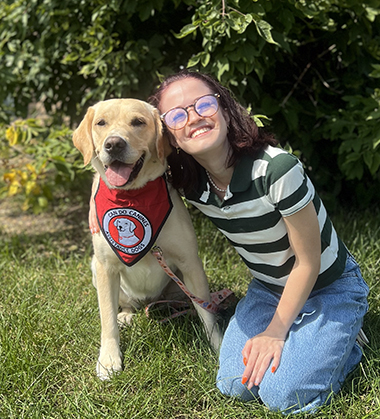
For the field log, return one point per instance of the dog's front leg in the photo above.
(211, 326)
(107, 285)
(196, 282)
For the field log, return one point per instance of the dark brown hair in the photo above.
(243, 134)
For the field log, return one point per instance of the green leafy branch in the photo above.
(221, 25)
(40, 162)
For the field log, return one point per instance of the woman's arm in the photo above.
(92, 220)
(304, 238)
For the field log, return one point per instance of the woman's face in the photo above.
(201, 134)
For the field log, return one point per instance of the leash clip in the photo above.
(156, 250)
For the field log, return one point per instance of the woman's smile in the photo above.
(196, 132)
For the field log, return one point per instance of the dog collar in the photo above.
(130, 220)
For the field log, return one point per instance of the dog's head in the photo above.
(123, 139)
(124, 225)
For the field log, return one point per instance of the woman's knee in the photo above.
(290, 397)
(286, 402)
(287, 394)
(232, 387)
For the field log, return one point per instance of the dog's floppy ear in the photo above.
(162, 141)
(82, 137)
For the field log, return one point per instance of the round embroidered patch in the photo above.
(127, 229)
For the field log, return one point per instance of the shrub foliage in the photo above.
(311, 66)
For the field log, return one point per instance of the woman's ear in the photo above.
(226, 116)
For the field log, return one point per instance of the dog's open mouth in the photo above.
(119, 174)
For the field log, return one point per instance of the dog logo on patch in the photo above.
(127, 229)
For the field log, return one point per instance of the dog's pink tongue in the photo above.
(118, 173)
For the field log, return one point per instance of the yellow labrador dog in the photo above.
(136, 209)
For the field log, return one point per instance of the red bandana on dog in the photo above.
(131, 220)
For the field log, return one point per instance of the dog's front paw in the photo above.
(107, 365)
(125, 318)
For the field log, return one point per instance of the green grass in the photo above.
(49, 331)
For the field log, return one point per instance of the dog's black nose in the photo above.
(115, 144)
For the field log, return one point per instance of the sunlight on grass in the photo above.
(50, 328)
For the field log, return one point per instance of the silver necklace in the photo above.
(213, 183)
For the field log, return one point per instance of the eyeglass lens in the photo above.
(205, 106)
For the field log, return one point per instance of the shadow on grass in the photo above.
(60, 232)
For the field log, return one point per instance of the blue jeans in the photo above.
(319, 352)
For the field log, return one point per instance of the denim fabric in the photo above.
(319, 352)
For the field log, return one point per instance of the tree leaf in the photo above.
(264, 29)
(222, 65)
(185, 31)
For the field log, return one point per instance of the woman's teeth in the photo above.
(200, 131)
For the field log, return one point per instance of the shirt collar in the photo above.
(240, 182)
(242, 176)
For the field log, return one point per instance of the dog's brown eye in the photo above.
(101, 122)
(136, 122)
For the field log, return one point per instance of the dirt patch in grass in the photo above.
(15, 222)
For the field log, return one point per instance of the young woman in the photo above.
(292, 340)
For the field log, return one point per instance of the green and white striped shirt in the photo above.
(263, 191)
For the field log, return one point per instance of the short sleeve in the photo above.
(287, 186)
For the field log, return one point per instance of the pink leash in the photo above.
(211, 306)
(216, 298)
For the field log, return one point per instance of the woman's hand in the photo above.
(258, 353)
